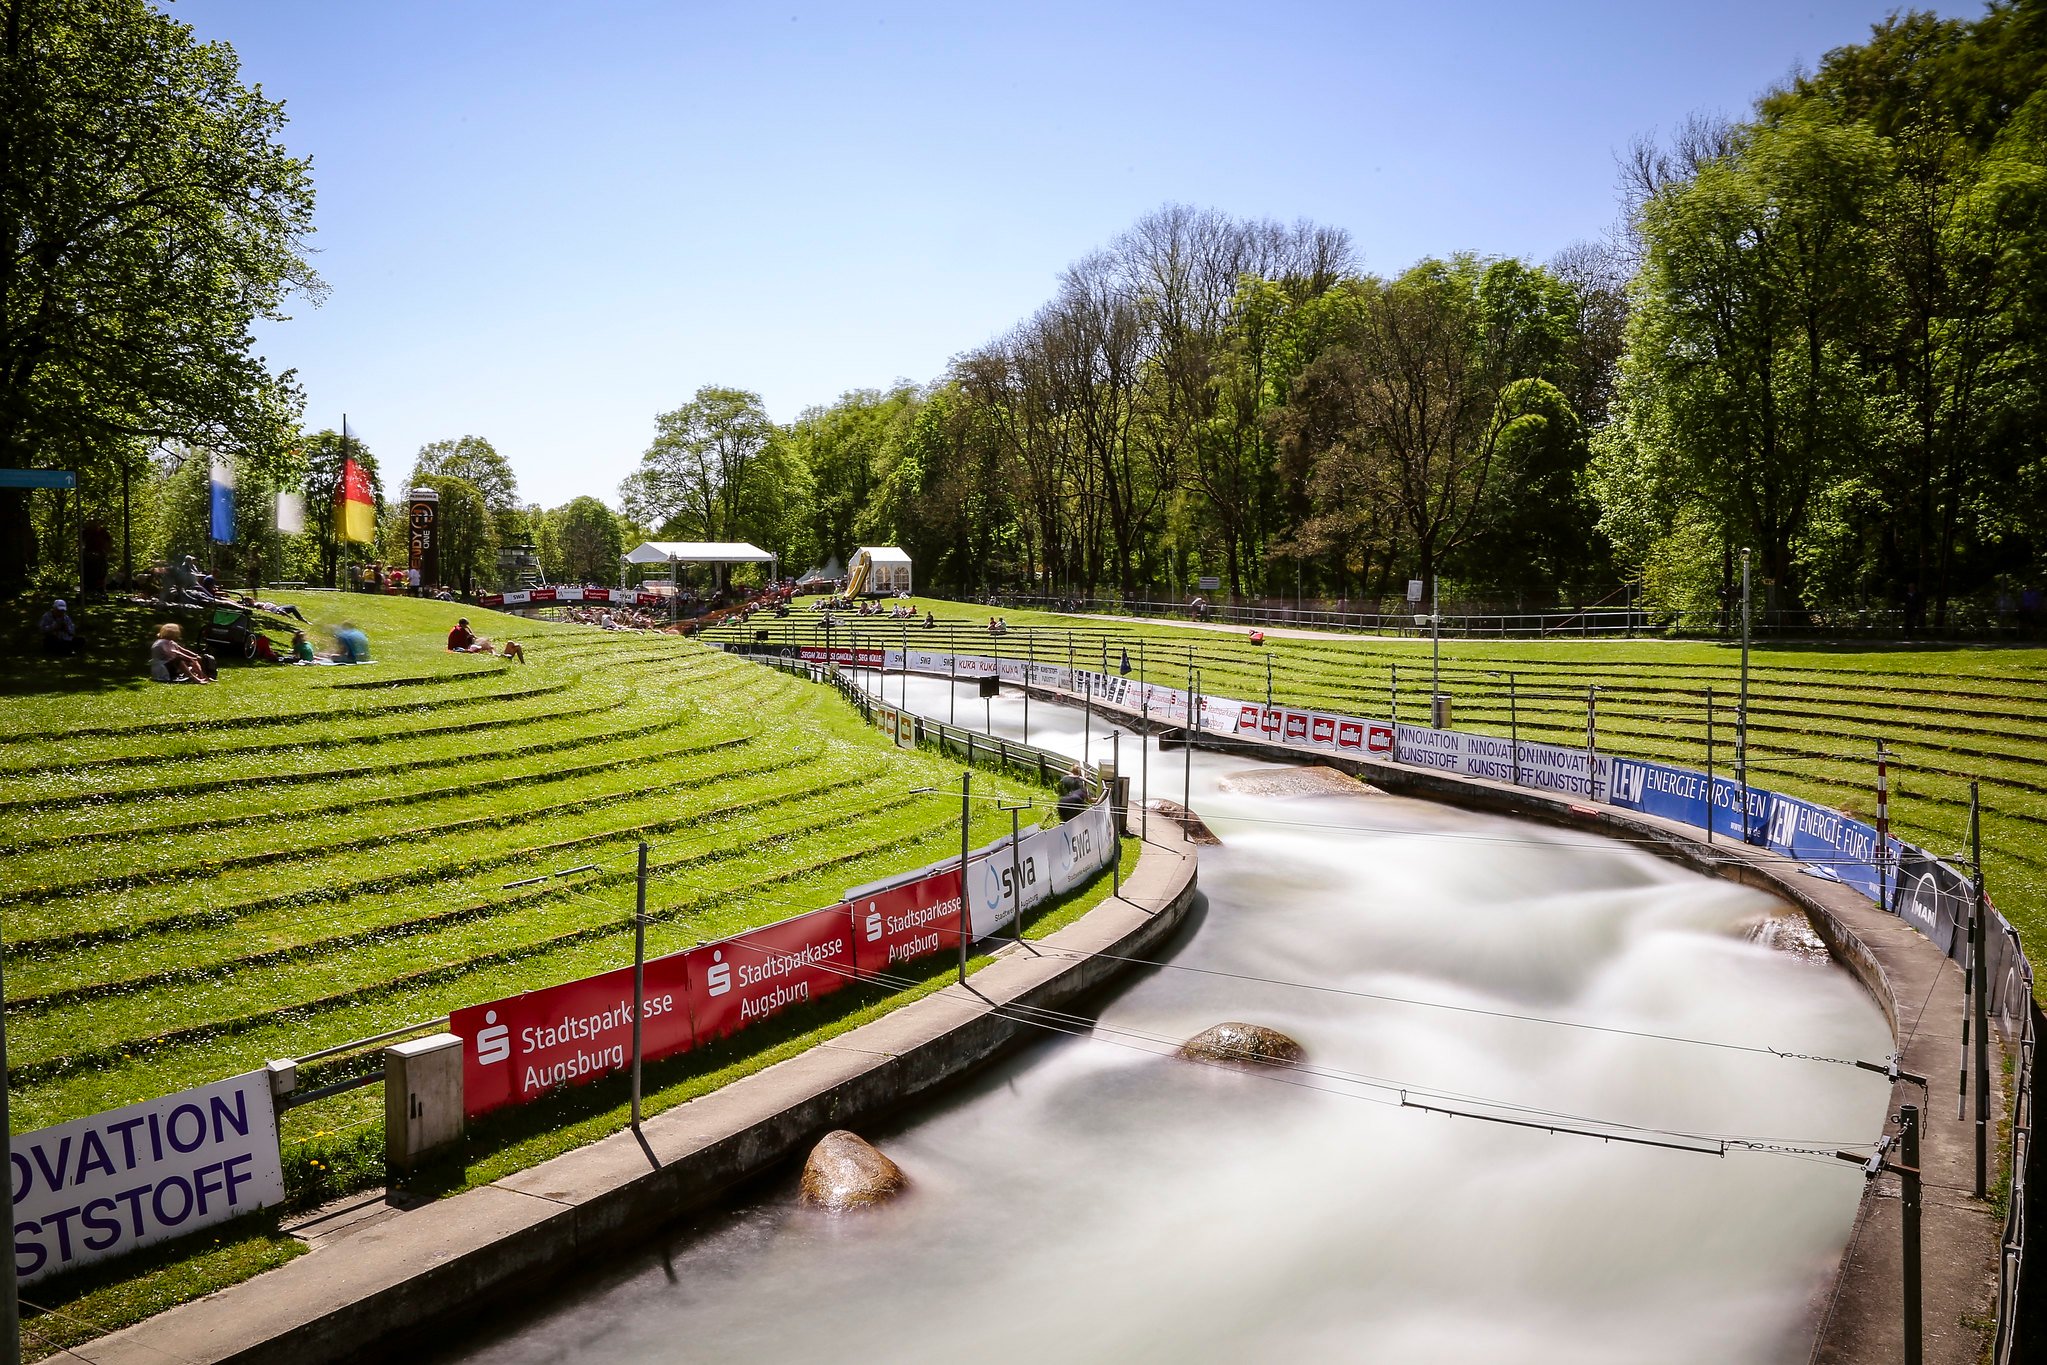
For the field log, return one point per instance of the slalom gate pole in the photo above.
(1883, 824)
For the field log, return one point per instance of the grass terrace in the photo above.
(201, 878)
(1950, 713)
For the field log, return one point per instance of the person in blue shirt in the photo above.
(354, 645)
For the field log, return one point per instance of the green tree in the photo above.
(150, 215)
(587, 541)
(720, 470)
(1753, 305)
(469, 536)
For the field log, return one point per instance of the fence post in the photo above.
(1016, 868)
(1709, 764)
(10, 1292)
(966, 839)
(1591, 742)
(1979, 996)
(639, 975)
(1908, 1172)
(1514, 727)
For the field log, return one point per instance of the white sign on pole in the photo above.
(1414, 590)
(112, 1183)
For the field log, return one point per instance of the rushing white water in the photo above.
(1088, 1200)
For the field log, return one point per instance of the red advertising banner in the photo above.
(1350, 734)
(858, 658)
(1324, 728)
(1270, 724)
(1379, 737)
(749, 977)
(1248, 717)
(522, 1047)
(906, 922)
(543, 595)
(1296, 727)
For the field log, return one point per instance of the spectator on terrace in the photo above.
(515, 650)
(266, 653)
(170, 661)
(463, 640)
(302, 649)
(60, 632)
(354, 646)
(930, 621)
(412, 581)
(1072, 793)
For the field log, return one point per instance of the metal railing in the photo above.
(1394, 617)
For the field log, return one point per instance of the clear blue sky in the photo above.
(544, 224)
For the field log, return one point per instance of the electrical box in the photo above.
(422, 1098)
(1440, 717)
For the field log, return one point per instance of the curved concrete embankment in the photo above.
(347, 1299)
(1857, 1311)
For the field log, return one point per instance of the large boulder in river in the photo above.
(844, 1172)
(1244, 1045)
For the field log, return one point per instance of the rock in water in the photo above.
(844, 1172)
(1244, 1045)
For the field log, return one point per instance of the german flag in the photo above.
(355, 508)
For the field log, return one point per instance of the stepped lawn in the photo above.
(1949, 713)
(198, 879)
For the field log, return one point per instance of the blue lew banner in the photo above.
(223, 500)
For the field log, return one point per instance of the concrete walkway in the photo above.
(355, 1292)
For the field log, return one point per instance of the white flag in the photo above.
(291, 513)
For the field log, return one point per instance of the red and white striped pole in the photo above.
(1883, 820)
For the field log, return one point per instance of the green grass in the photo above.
(1950, 713)
(201, 878)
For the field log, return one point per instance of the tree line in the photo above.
(1814, 333)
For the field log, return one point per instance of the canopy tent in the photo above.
(832, 572)
(879, 571)
(696, 552)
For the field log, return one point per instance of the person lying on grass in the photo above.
(170, 661)
(514, 650)
(463, 640)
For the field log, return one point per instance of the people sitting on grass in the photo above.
(60, 632)
(515, 650)
(302, 649)
(463, 640)
(171, 662)
(930, 621)
(352, 645)
(265, 651)
(1257, 637)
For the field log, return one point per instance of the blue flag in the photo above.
(223, 500)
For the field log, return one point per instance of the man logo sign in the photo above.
(493, 1044)
(1783, 823)
(873, 922)
(719, 977)
(1627, 783)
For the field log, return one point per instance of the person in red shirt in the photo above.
(462, 640)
